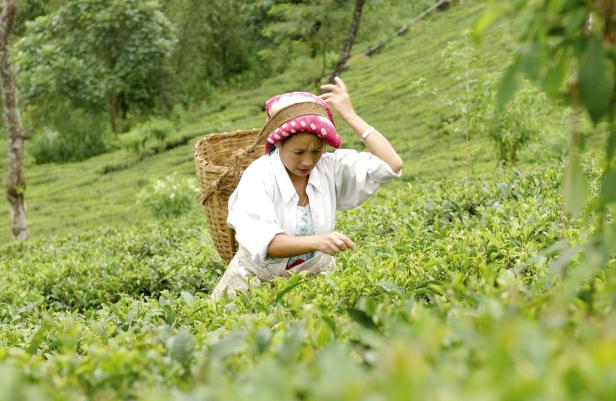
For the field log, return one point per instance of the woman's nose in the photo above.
(308, 161)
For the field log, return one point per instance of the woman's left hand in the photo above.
(338, 97)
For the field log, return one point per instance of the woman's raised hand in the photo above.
(333, 243)
(338, 97)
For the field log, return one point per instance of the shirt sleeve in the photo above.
(252, 215)
(358, 175)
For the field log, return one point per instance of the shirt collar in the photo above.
(287, 190)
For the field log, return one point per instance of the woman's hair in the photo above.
(282, 141)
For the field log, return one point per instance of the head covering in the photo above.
(295, 112)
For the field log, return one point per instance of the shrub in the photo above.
(168, 197)
(155, 130)
(71, 135)
(512, 129)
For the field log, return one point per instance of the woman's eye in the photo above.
(299, 153)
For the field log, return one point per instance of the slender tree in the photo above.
(350, 39)
(16, 183)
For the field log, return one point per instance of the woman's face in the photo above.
(300, 153)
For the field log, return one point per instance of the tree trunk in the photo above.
(16, 182)
(112, 107)
(348, 42)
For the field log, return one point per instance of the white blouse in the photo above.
(264, 203)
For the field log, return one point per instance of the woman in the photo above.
(284, 208)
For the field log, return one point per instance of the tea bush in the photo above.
(450, 294)
(169, 196)
(152, 133)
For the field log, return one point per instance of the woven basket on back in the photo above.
(220, 159)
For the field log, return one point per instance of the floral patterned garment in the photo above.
(304, 226)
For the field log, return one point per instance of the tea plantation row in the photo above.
(438, 301)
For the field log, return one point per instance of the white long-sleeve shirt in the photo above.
(264, 203)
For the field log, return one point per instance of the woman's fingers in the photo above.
(334, 249)
(330, 87)
(345, 242)
(334, 243)
(350, 244)
(340, 83)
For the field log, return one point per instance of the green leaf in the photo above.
(508, 85)
(595, 80)
(554, 6)
(169, 314)
(391, 288)
(362, 318)
(188, 299)
(263, 339)
(557, 74)
(531, 60)
(609, 237)
(330, 323)
(231, 344)
(37, 338)
(181, 347)
(293, 282)
(486, 20)
(575, 187)
(608, 188)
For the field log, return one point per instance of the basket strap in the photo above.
(284, 115)
(233, 169)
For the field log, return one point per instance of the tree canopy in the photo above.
(96, 53)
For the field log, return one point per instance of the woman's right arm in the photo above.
(283, 245)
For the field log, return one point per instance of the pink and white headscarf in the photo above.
(320, 125)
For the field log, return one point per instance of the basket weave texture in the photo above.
(220, 160)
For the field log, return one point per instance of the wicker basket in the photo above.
(220, 160)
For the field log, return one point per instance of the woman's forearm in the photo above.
(376, 143)
(284, 246)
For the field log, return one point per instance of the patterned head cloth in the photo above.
(295, 112)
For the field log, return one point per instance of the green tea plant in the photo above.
(169, 196)
(155, 130)
(473, 113)
(512, 128)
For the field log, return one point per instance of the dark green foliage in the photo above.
(97, 54)
(66, 274)
(71, 135)
(217, 41)
(307, 33)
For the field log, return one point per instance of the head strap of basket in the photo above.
(296, 112)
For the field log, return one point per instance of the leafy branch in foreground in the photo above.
(569, 51)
